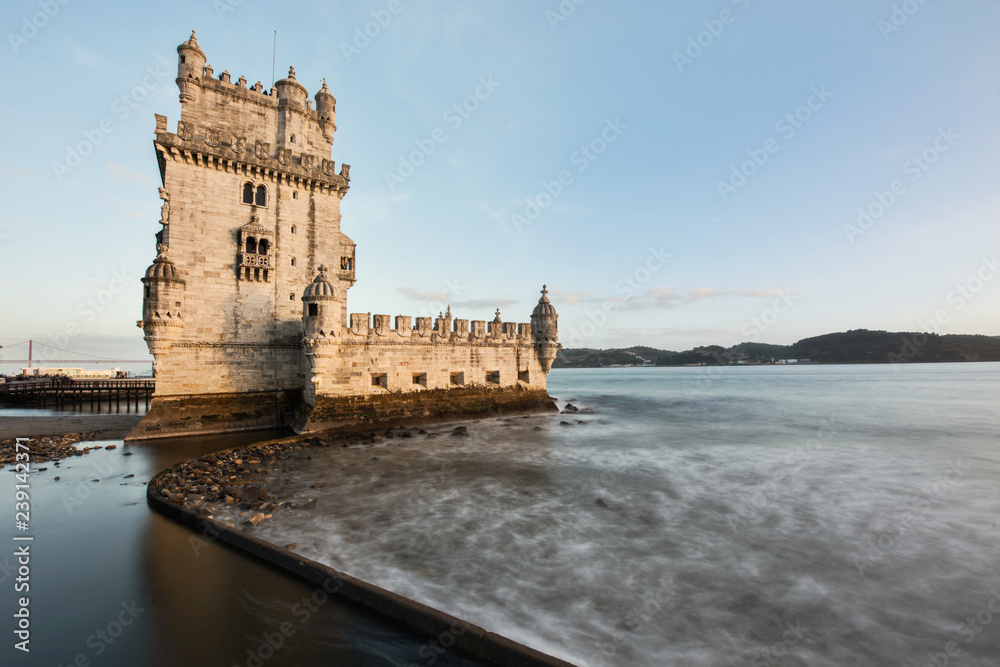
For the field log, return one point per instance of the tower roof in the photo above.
(544, 306)
(162, 268)
(320, 287)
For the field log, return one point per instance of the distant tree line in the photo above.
(859, 346)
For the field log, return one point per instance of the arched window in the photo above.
(247, 193)
(262, 247)
(252, 246)
(261, 195)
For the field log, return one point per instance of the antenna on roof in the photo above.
(274, 53)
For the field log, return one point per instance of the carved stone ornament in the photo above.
(213, 137)
(262, 149)
(308, 161)
(285, 155)
(185, 130)
(345, 171)
(328, 167)
(239, 145)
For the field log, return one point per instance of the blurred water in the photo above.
(819, 515)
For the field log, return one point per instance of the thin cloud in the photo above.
(125, 174)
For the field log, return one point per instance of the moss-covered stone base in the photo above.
(351, 413)
(174, 416)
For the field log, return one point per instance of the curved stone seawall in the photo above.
(469, 639)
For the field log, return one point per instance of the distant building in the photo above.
(91, 373)
(245, 306)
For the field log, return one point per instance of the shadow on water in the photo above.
(115, 583)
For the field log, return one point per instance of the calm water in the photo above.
(820, 515)
(104, 562)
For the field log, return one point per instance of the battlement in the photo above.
(368, 328)
(282, 117)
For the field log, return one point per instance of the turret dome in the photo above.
(544, 306)
(162, 268)
(320, 288)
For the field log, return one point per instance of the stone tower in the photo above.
(245, 305)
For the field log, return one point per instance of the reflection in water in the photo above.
(119, 584)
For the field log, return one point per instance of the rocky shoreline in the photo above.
(50, 449)
(245, 486)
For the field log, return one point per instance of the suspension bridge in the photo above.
(30, 353)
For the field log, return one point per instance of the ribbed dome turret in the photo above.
(544, 306)
(320, 288)
(162, 268)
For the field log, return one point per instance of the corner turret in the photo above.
(326, 110)
(291, 92)
(162, 305)
(544, 325)
(321, 310)
(190, 67)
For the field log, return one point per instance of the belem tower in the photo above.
(245, 306)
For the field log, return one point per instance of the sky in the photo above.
(677, 173)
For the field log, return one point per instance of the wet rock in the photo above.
(580, 421)
(570, 408)
(57, 478)
(377, 440)
(291, 547)
(537, 428)
(600, 502)
(130, 476)
(374, 458)
(127, 454)
(311, 505)
(460, 430)
(565, 424)
(252, 493)
(422, 432)
(406, 434)
(230, 500)
(112, 447)
(256, 518)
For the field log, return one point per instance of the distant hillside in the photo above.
(859, 346)
(589, 358)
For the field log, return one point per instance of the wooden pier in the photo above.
(59, 393)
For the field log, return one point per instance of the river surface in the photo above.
(113, 582)
(814, 515)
